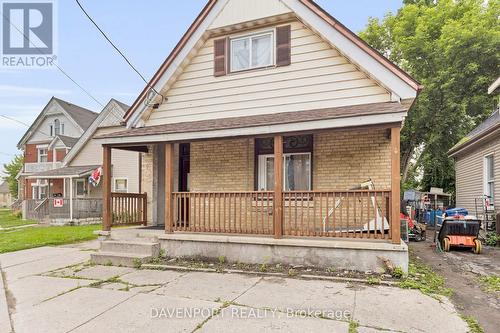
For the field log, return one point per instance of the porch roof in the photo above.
(365, 114)
(66, 172)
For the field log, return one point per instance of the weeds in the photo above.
(353, 326)
(490, 283)
(423, 278)
(474, 326)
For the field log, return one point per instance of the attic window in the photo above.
(251, 52)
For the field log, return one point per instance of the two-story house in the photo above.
(46, 143)
(272, 134)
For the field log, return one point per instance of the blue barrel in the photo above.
(457, 211)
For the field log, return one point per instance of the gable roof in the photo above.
(487, 127)
(310, 10)
(114, 108)
(81, 117)
(67, 141)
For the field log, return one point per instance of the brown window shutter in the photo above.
(283, 45)
(220, 54)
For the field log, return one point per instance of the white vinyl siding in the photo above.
(318, 77)
(489, 176)
(470, 174)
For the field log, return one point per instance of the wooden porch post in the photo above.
(278, 187)
(107, 214)
(169, 187)
(395, 185)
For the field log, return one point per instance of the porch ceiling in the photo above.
(346, 116)
(67, 172)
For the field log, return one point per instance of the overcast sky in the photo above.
(146, 31)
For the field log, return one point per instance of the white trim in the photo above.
(120, 178)
(79, 180)
(190, 45)
(250, 37)
(262, 165)
(347, 47)
(263, 130)
(353, 52)
(485, 175)
(89, 133)
(39, 155)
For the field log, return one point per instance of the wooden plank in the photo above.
(278, 187)
(395, 185)
(169, 187)
(107, 213)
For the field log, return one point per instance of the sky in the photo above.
(145, 30)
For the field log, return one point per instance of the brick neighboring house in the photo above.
(68, 196)
(477, 165)
(46, 143)
(271, 117)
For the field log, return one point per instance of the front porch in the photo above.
(214, 197)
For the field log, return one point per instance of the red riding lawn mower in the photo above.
(460, 231)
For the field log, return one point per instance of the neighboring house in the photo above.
(477, 164)
(5, 196)
(81, 199)
(272, 117)
(46, 143)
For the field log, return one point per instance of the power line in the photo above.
(58, 67)
(116, 48)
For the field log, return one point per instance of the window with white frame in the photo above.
(296, 172)
(80, 187)
(252, 51)
(489, 176)
(121, 185)
(43, 155)
(57, 127)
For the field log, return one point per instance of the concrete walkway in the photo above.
(55, 290)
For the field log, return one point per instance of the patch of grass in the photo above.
(490, 283)
(423, 278)
(263, 267)
(474, 326)
(372, 280)
(222, 260)
(9, 219)
(353, 326)
(30, 237)
(397, 273)
(137, 263)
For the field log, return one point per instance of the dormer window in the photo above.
(57, 127)
(252, 52)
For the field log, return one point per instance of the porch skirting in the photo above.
(356, 254)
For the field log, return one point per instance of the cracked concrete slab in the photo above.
(244, 319)
(296, 294)
(31, 255)
(35, 289)
(103, 272)
(391, 308)
(209, 286)
(362, 329)
(44, 265)
(143, 313)
(5, 323)
(150, 277)
(68, 311)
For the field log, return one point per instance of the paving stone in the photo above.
(285, 294)
(103, 272)
(30, 255)
(141, 313)
(114, 286)
(35, 289)
(68, 311)
(208, 286)
(391, 308)
(243, 319)
(148, 277)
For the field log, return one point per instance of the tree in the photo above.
(12, 169)
(452, 47)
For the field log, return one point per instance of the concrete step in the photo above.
(125, 246)
(119, 259)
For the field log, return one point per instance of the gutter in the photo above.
(475, 140)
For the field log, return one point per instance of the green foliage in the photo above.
(8, 219)
(397, 273)
(451, 48)
(474, 326)
(11, 170)
(222, 260)
(492, 238)
(490, 283)
(423, 278)
(30, 237)
(353, 326)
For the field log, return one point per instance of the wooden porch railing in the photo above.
(349, 214)
(129, 208)
(223, 212)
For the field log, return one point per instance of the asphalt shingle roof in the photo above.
(82, 116)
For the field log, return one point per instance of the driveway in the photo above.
(54, 289)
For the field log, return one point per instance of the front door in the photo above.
(184, 166)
